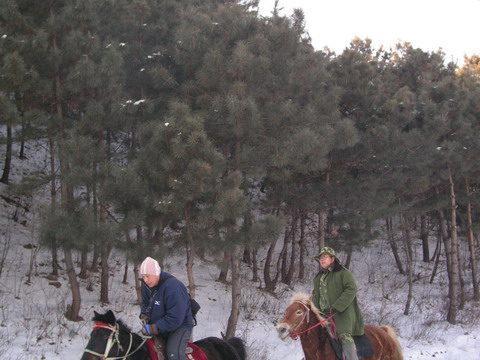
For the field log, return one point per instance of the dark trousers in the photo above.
(176, 343)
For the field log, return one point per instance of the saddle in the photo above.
(158, 350)
(362, 342)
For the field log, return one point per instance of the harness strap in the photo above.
(111, 341)
(294, 334)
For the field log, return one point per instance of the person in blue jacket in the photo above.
(165, 308)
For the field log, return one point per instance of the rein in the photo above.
(112, 339)
(294, 335)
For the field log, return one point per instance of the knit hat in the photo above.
(150, 267)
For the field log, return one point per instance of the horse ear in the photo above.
(111, 317)
(95, 316)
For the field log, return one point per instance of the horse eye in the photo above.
(299, 312)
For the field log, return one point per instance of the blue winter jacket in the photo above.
(170, 308)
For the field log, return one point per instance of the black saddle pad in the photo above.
(364, 346)
(362, 342)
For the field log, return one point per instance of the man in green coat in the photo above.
(335, 292)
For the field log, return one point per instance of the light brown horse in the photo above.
(303, 320)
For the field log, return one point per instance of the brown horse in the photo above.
(304, 320)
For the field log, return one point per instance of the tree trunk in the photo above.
(270, 284)
(461, 292)
(73, 310)
(301, 267)
(53, 196)
(106, 248)
(103, 139)
(255, 277)
(33, 256)
(322, 221)
(408, 251)
(322, 216)
(94, 265)
(349, 257)
(190, 254)
(452, 253)
(222, 277)
(438, 251)
(472, 247)
(393, 245)
(138, 284)
(21, 153)
(125, 271)
(282, 260)
(8, 157)
(247, 256)
(288, 267)
(236, 292)
(444, 233)
(424, 238)
(83, 274)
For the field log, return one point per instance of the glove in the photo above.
(150, 330)
(144, 317)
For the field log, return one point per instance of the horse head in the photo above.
(298, 317)
(107, 318)
(110, 339)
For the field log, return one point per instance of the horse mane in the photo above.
(305, 299)
(109, 318)
(301, 297)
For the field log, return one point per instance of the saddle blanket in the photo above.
(362, 342)
(192, 351)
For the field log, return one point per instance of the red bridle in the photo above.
(102, 325)
(294, 334)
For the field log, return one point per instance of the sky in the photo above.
(427, 24)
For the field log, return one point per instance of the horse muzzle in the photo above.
(283, 331)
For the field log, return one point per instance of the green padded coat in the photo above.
(341, 297)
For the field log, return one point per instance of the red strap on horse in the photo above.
(295, 334)
(193, 351)
(151, 349)
(102, 325)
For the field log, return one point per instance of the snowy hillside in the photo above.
(32, 304)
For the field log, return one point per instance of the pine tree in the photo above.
(18, 89)
(468, 94)
(178, 169)
(66, 51)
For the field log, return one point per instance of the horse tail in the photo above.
(398, 347)
(239, 346)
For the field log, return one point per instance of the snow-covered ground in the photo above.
(32, 325)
